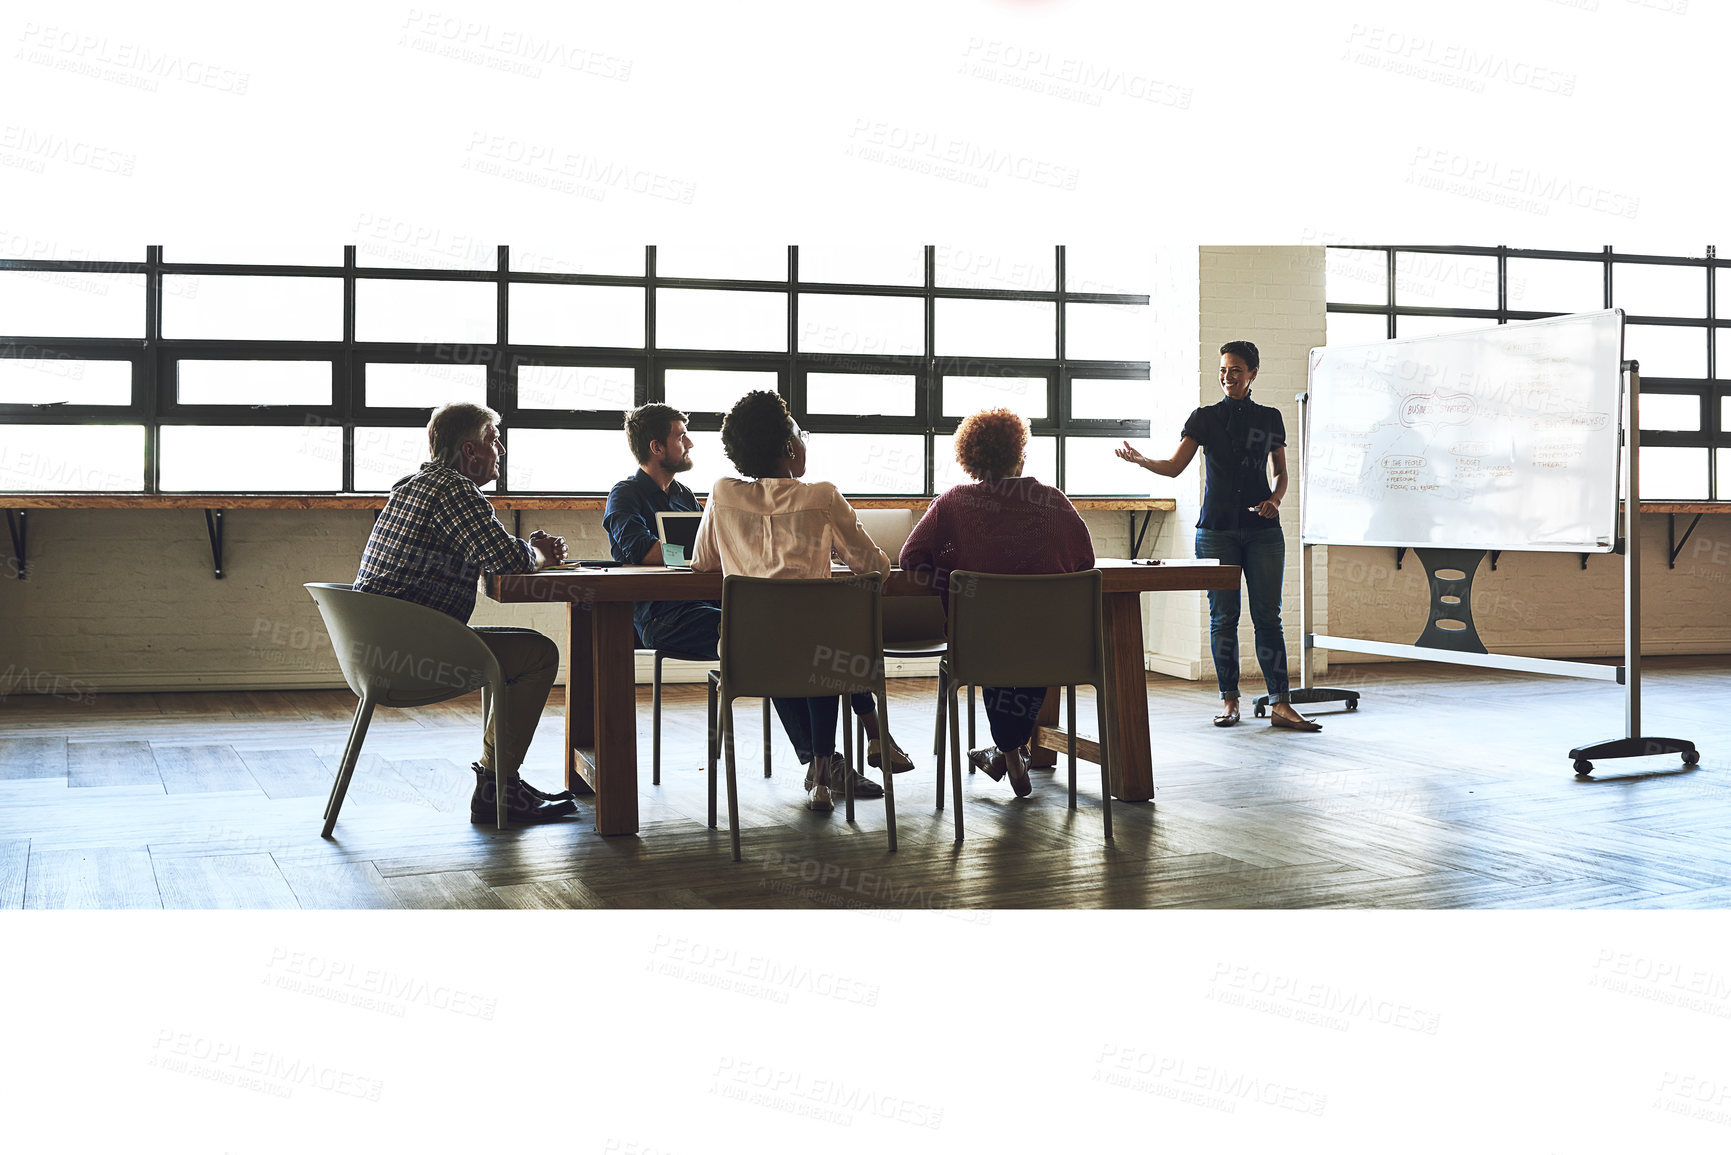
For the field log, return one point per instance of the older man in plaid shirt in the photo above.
(436, 536)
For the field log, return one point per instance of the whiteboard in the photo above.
(1498, 438)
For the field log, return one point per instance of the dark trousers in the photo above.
(810, 725)
(1012, 712)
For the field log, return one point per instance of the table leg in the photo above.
(579, 687)
(1132, 760)
(1040, 757)
(614, 719)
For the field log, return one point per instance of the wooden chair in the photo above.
(797, 638)
(1014, 630)
(400, 654)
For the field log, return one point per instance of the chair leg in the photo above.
(888, 775)
(956, 760)
(853, 767)
(766, 734)
(655, 724)
(345, 771)
(938, 748)
(1070, 703)
(732, 776)
(714, 743)
(1108, 751)
(973, 743)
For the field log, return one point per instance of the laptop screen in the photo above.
(678, 529)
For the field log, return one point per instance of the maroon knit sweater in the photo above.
(1016, 526)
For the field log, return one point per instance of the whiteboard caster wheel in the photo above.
(1691, 757)
(1261, 711)
(1351, 704)
(1582, 766)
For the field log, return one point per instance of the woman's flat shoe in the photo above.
(1226, 719)
(1303, 724)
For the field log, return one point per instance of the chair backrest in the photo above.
(800, 638)
(399, 653)
(905, 619)
(1026, 630)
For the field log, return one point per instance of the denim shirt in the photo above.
(630, 524)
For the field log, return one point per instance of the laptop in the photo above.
(678, 529)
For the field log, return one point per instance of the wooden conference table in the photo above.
(601, 694)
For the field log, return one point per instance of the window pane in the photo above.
(50, 380)
(252, 308)
(426, 312)
(254, 382)
(1725, 414)
(722, 262)
(216, 251)
(1722, 354)
(248, 458)
(965, 395)
(577, 315)
(393, 385)
(1356, 328)
(869, 462)
(861, 265)
(590, 260)
(1659, 290)
(383, 456)
(1724, 474)
(1721, 300)
(1445, 281)
(66, 458)
(713, 390)
(720, 319)
(1096, 400)
(1674, 473)
(1356, 277)
(1089, 467)
(587, 460)
(1108, 332)
(869, 394)
(1666, 350)
(1426, 326)
(1670, 411)
(871, 326)
(1041, 463)
(391, 243)
(576, 387)
(71, 304)
(1556, 286)
(967, 328)
(708, 462)
(1030, 268)
(1108, 269)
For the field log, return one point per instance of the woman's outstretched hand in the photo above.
(1130, 454)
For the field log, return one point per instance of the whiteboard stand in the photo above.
(1633, 744)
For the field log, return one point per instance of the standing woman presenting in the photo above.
(1240, 525)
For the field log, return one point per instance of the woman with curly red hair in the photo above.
(1002, 523)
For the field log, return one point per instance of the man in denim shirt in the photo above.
(663, 450)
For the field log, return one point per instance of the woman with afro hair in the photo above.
(777, 526)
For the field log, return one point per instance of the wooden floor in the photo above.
(1450, 787)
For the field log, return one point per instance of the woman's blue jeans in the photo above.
(1261, 553)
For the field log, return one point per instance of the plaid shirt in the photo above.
(436, 536)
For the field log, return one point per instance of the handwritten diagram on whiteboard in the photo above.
(1497, 438)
